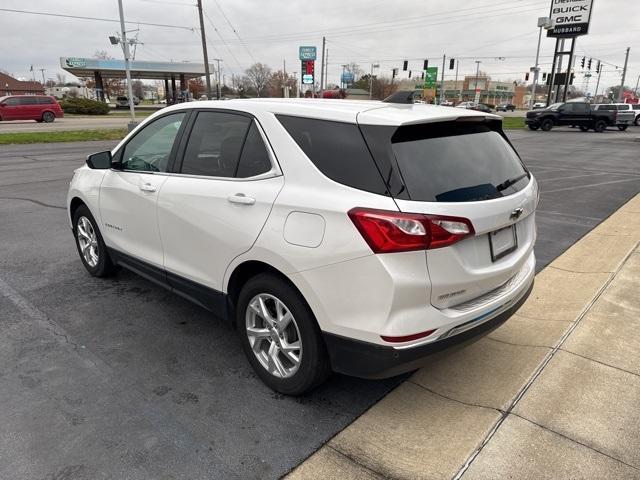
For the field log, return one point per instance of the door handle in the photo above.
(147, 187)
(242, 199)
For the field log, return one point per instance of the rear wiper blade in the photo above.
(507, 183)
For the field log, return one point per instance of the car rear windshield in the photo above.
(456, 162)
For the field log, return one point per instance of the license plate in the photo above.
(502, 242)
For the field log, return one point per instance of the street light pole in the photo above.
(373, 65)
(542, 23)
(217, 60)
(127, 67)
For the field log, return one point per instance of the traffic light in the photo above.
(526, 77)
(405, 65)
(571, 78)
(582, 62)
(409, 73)
(589, 64)
(598, 67)
(425, 65)
(422, 76)
(394, 73)
(452, 63)
(544, 76)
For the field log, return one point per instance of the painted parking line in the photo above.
(578, 187)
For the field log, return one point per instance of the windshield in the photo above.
(454, 162)
(555, 106)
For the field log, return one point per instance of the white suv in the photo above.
(352, 236)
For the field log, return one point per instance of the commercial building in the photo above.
(13, 86)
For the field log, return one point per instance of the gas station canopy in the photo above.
(85, 67)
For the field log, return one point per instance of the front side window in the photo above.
(580, 107)
(215, 144)
(150, 149)
(12, 101)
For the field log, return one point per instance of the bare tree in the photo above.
(278, 81)
(61, 78)
(355, 71)
(259, 76)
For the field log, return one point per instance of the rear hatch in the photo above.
(466, 169)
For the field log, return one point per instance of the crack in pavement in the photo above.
(37, 202)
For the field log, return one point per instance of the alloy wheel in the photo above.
(87, 241)
(273, 335)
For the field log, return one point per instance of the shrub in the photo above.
(84, 106)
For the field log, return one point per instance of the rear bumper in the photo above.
(368, 360)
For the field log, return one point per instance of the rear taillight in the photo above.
(387, 231)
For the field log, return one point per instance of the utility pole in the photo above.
(127, 67)
(326, 69)
(636, 89)
(624, 75)
(542, 23)
(322, 86)
(459, 91)
(204, 51)
(44, 69)
(444, 59)
(217, 75)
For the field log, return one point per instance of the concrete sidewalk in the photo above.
(553, 393)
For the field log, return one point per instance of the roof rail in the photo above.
(401, 96)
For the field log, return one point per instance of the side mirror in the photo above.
(100, 160)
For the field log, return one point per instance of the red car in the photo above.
(40, 108)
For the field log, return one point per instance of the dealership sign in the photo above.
(570, 18)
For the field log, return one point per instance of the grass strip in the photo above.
(62, 136)
(512, 123)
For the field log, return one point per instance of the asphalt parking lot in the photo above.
(119, 379)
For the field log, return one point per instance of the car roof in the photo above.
(366, 112)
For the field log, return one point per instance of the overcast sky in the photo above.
(363, 31)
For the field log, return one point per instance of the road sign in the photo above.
(430, 77)
(569, 18)
(307, 53)
(347, 77)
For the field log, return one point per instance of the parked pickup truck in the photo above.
(580, 114)
(625, 114)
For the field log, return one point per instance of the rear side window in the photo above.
(254, 159)
(215, 144)
(28, 101)
(45, 101)
(457, 162)
(338, 150)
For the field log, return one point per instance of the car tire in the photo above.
(264, 349)
(600, 126)
(534, 127)
(90, 244)
(622, 128)
(584, 128)
(546, 125)
(48, 117)
(636, 122)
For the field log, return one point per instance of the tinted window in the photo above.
(254, 159)
(454, 162)
(28, 101)
(580, 107)
(215, 144)
(12, 102)
(636, 106)
(338, 150)
(606, 107)
(568, 108)
(45, 101)
(150, 149)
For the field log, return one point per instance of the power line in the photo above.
(96, 19)
(234, 31)
(223, 40)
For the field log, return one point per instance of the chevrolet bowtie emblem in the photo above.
(516, 213)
